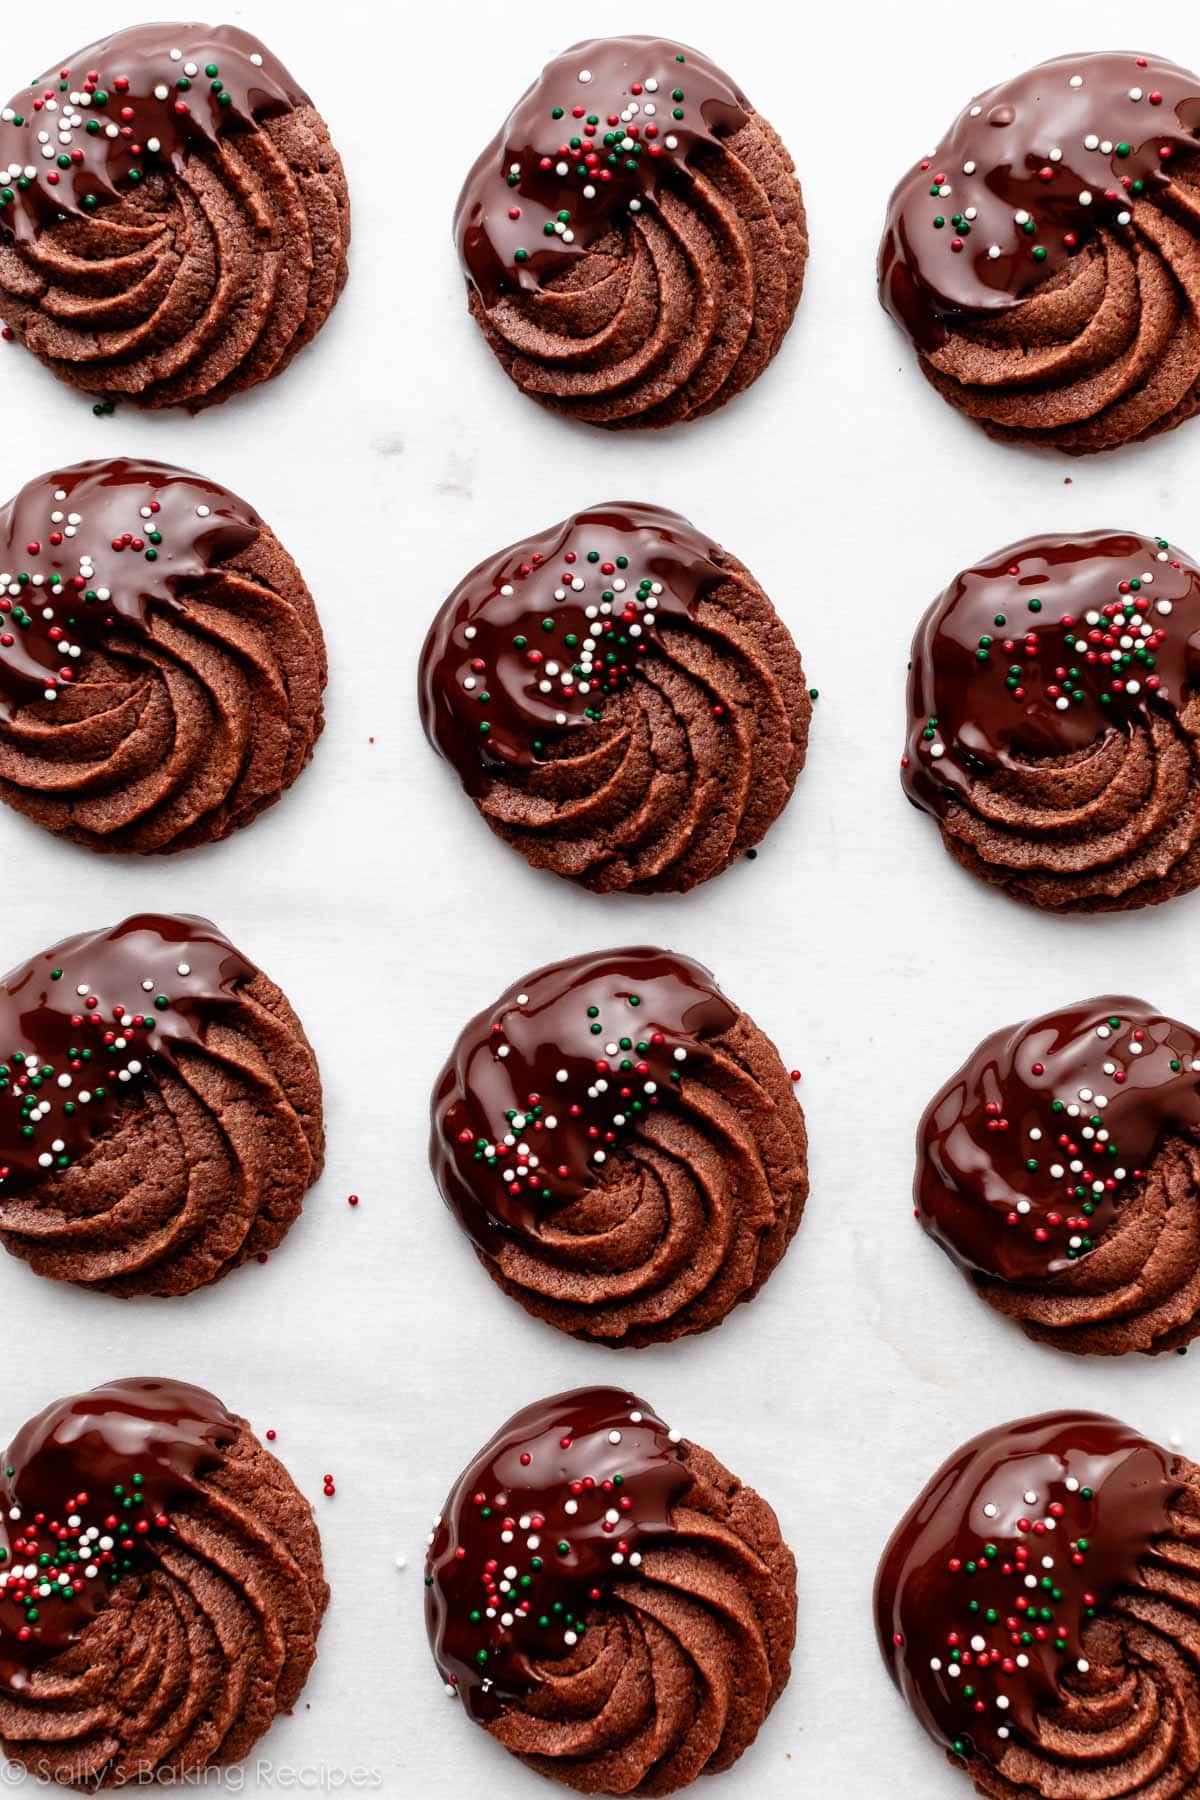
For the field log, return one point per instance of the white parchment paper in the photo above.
(392, 457)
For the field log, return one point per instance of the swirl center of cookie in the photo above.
(1043, 651)
(1031, 173)
(126, 109)
(85, 1494)
(586, 147)
(80, 1023)
(1027, 1155)
(987, 1591)
(86, 553)
(555, 1512)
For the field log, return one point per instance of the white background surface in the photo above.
(390, 459)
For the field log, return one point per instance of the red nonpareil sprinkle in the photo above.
(352, 1200)
(270, 1437)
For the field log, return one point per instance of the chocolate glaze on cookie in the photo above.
(131, 105)
(1028, 175)
(594, 139)
(80, 1023)
(609, 574)
(982, 1637)
(571, 1491)
(1026, 1155)
(542, 1087)
(90, 1484)
(1044, 649)
(94, 548)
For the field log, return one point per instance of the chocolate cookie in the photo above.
(607, 1601)
(162, 1588)
(1045, 259)
(161, 660)
(633, 237)
(1037, 1608)
(1060, 1169)
(1054, 716)
(622, 1147)
(620, 699)
(174, 223)
(160, 1109)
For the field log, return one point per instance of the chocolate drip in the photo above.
(79, 1022)
(126, 108)
(1030, 173)
(89, 1484)
(1042, 651)
(87, 552)
(574, 608)
(977, 1651)
(1025, 1156)
(604, 128)
(558, 1508)
(544, 1086)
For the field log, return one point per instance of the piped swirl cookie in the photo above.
(1060, 1169)
(161, 661)
(1037, 1609)
(608, 1602)
(1044, 259)
(173, 216)
(1054, 713)
(633, 238)
(620, 699)
(160, 1109)
(622, 1146)
(161, 1593)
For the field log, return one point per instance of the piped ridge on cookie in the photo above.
(160, 1109)
(1060, 1169)
(647, 1630)
(1037, 1609)
(634, 237)
(174, 219)
(1044, 257)
(161, 660)
(622, 1146)
(620, 699)
(1054, 720)
(176, 1590)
